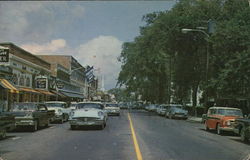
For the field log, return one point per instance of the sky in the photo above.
(91, 31)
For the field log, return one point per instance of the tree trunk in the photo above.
(194, 98)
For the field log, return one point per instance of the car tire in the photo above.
(218, 130)
(170, 116)
(102, 126)
(243, 135)
(73, 127)
(3, 136)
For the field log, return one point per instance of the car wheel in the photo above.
(61, 121)
(3, 136)
(73, 127)
(102, 126)
(170, 116)
(218, 130)
(243, 135)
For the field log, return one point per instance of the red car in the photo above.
(222, 119)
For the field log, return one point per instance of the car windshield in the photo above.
(24, 106)
(89, 105)
(230, 112)
(111, 105)
(55, 105)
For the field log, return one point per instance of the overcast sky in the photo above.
(92, 32)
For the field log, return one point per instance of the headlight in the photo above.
(228, 123)
(59, 111)
(100, 114)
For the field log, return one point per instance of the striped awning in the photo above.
(46, 92)
(6, 84)
(28, 90)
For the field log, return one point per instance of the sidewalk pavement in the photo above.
(195, 119)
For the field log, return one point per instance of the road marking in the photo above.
(137, 148)
(15, 138)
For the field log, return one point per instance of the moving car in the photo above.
(151, 108)
(176, 111)
(222, 118)
(62, 112)
(242, 127)
(32, 114)
(7, 122)
(112, 109)
(88, 114)
(161, 110)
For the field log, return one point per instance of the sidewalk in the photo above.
(195, 119)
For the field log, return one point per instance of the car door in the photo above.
(211, 123)
(43, 115)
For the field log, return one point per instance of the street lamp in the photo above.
(186, 30)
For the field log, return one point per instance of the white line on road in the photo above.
(15, 138)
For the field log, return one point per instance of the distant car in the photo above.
(62, 111)
(88, 114)
(161, 110)
(7, 123)
(123, 106)
(112, 109)
(32, 114)
(176, 111)
(222, 119)
(151, 108)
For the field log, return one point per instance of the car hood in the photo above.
(112, 108)
(88, 112)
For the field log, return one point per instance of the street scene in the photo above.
(125, 80)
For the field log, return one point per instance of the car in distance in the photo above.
(31, 114)
(62, 112)
(161, 110)
(176, 111)
(7, 122)
(242, 127)
(222, 119)
(88, 114)
(112, 109)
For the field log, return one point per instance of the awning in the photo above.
(59, 94)
(6, 84)
(72, 95)
(46, 92)
(29, 90)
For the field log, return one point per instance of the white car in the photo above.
(112, 109)
(88, 114)
(72, 107)
(62, 112)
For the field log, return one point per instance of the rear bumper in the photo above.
(25, 122)
(227, 129)
(180, 116)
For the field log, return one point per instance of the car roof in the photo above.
(224, 108)
(55, 102)
(90, 102)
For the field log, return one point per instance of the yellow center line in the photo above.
(137, 148)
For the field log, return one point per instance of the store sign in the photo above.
(41, 83)
(59, 85)
(4, 55)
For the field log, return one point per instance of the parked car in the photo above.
(62, 111)
(161, 110)
(32, 114)
(123, 105)
(89, 114)
(112, 109)
(242, 127)
(7, 122)
(72, 107)
(222, 118)
(151, 107)
(176, 111)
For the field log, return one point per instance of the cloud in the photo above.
(54, 46)
(37, 21)
(102, 52)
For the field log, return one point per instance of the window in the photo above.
(21, 81)
(28, 81)
(15, 79)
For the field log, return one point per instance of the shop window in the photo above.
(21, 81)
(28, 81)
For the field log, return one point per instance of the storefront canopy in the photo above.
(72, 95)
(7, 85)
(29, 90)
(46, 92)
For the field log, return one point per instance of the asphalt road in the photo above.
(158, 139)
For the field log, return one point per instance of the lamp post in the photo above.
(186, 30)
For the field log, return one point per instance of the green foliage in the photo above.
(162, 54)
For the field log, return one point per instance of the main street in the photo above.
(158, 139)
